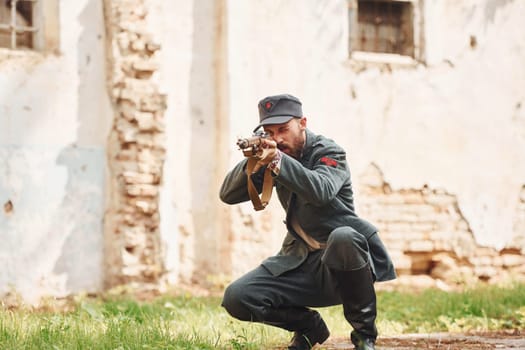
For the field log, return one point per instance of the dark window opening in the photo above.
(382, 26)
(17, 23)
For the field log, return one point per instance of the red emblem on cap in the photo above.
(329, 161)
(268, 105)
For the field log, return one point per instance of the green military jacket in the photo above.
(318, 189)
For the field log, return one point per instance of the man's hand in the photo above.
(266, 154)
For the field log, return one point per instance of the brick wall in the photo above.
(428, 236)
(136, 148)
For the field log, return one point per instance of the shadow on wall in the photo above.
(82, 208)
(79, 218)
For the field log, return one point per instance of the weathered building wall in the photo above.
(136, 149)
(193, 63)
(181, 196)
(436, 146)
(452, 123)
(429, 236)
(54, 121)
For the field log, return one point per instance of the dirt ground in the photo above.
(511, 340)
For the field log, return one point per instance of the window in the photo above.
(384, 26)
(29, 24)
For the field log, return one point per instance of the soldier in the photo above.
(329, 255)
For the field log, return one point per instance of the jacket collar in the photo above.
(310, 137)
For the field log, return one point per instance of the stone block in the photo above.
(147, 122)
(398, 227)
(134, 244)
(423, 226)
(131, 177)
(441, 200)
(420, 246)
(127, 109)
(439, 235)
(402, 261)
(145, 65)
(442, 245)
(127, 166)
(511, 260)
(152, 46)
(127, 155)
(134, 27)
(394, 198)
(139, 87)
(147, 207)
(142, 190)
(128, 136)
(152, 103)
(414, 197)
(152, 168)
(138, 45)
(123, 41)
(486, 272)
(463, 225)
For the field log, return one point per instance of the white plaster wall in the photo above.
(172, 24)
(195, 226)
(54, 120)
(189, 210)
(452, 124)
(202, 146)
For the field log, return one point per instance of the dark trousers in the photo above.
(256, 295)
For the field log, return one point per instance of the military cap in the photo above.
(279, 109)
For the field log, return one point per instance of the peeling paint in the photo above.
(137, 148)
(427, 234)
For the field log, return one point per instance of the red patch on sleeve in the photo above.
(329, 161)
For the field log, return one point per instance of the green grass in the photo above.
(185, 322)
(481, 308)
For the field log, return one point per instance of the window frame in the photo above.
(43, 27)
(378, 57)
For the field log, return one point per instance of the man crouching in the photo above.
(329, 255)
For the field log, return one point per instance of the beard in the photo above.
(295, 149)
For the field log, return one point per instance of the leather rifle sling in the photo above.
(259, 203)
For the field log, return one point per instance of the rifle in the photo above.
(251, 146)
(252, 149)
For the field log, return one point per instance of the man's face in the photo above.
(290, 137)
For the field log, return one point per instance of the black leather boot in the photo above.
(305, 339)
(359, 305)
(308, 326)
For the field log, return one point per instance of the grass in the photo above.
(185, 322)
(478, 309)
